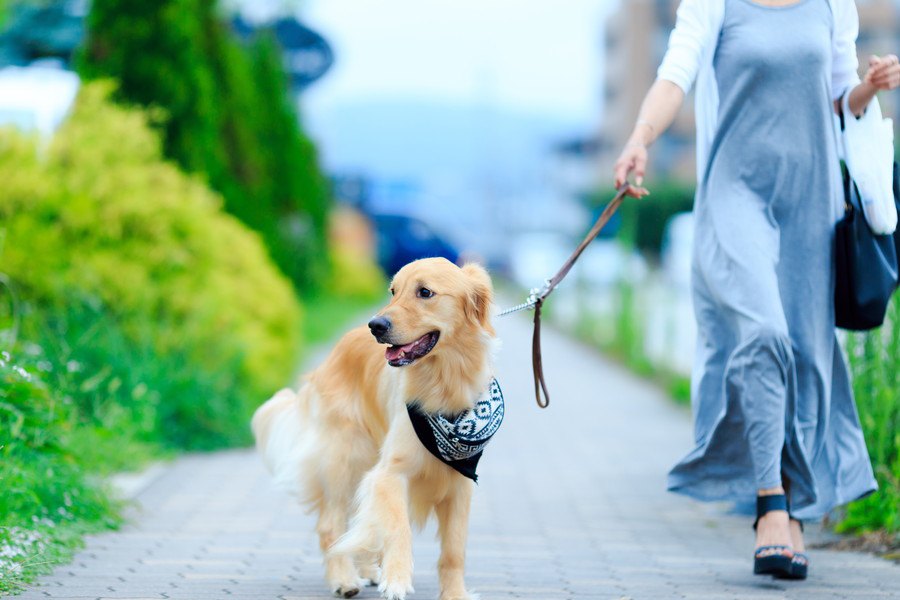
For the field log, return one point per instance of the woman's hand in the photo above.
(632, 159)
(657, 113)
(883, 72)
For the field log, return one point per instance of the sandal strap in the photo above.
(766, 504)
(801, 557)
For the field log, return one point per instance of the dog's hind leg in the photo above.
(334, 511)
(453, 527)
(340, 571)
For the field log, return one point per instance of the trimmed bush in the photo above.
(142, 278)
(355, 277)
(643, 222)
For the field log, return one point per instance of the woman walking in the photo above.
(773, 406)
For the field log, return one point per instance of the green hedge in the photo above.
(136, 273)
(643, 221)
(875, 364)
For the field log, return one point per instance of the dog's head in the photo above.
(436, 306)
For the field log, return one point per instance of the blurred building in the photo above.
(36, 99)
(636, 37)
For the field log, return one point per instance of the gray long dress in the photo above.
(770, 388)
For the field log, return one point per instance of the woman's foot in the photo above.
(774, 547)
(773, 529)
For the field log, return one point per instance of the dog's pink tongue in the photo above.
(395, 352)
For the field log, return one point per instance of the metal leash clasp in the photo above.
(534, 296)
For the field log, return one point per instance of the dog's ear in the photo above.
(481, 295)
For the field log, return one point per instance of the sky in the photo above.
(536, 56)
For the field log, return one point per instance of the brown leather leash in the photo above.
(537, 297)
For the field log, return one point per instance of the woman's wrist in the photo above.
(860, 96)
(643, 134)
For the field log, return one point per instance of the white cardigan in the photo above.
(692, 47)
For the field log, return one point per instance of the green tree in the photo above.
(155, 52)
(226, 113)
(300, 193)
(244, 182)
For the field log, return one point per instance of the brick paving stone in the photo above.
(571, 504)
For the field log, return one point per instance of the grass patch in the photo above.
(29, 552)
(47, 503)
(81, 402)
(874, 360)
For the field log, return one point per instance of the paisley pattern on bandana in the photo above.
(459, 440)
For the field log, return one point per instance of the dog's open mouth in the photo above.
(400, 356)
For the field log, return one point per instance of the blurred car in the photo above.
(402, 239)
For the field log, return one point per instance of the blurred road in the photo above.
(571, 505)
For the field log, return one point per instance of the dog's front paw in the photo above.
(395, 590)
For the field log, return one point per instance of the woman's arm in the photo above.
(658, 110)
(883, 74)
(697, 27)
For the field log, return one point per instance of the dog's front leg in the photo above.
(381, 523)
(391, 497)
(453, 529)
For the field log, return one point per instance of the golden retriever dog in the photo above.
(377, 439)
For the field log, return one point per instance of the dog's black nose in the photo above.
(379, 326)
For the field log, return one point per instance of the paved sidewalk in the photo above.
(571, 505)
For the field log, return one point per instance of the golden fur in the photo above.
(345, 438)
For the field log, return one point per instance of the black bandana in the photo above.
(458, 441)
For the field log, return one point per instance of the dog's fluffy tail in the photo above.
(278, 426)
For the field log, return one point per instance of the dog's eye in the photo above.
(424, 292)
(392, 291)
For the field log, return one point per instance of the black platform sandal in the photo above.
(800, 562)
(776, 560)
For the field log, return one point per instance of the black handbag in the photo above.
(867, 264)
